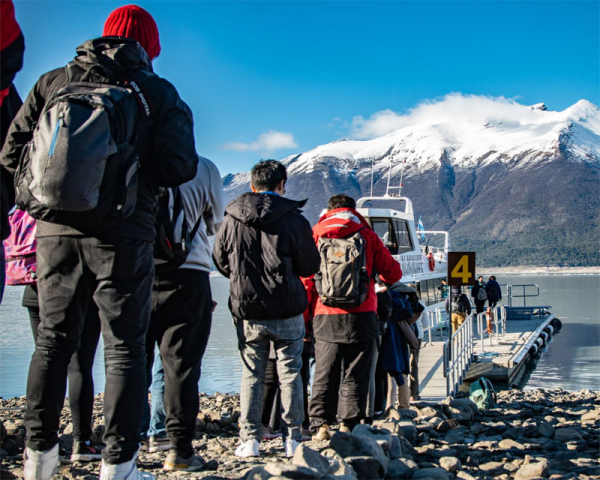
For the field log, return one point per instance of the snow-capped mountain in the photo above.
(518, 184)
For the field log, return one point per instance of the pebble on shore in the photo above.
(538, 434)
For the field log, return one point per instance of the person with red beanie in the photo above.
(110, 264)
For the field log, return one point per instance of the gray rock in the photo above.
(444, 452)
(408, 414)
(462, 475)
(407, 447)
(401, 468)
(545, 429)
(68, 429)
(454, 437)
(257, 473)
(428, 412)
(450, 464)
(492, 468)
(294, 472)
(339, 465)
(365, 467)
(390, 443)
(431, 474)
(305, 457)
(436, 421)
(391, 427)
(409, 430)
(508, 444)
(211, 466)
(533, 470)
(464, 402)
(447, 425)
(477, 429)
(591, 416)
(391, 414)
(567, 435)
(349, 445)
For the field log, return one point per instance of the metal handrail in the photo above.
(511, 295)
(433, 321)
(458, 355)
(499, 313)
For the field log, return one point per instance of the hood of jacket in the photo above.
(340, 222)
(261, 210)
(113, 52)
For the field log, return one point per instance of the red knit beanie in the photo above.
(134, 22)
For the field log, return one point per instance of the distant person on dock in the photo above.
(459, 306)
(345, 320)
(479, 294)
(493, 290)
(263, 247)
(95, 239)
(443, 288)
(181, 316)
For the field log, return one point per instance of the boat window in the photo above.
(383, 229)
(403, 236)
(431, 287)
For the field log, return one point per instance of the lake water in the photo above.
(572, 360)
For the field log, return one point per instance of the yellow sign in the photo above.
(461, 268)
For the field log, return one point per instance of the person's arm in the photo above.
(467, 304)
(213, 215)
(172, 153)
(306, 259)
(221, 249)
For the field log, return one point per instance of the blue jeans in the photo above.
(253, 342)
(153, 422)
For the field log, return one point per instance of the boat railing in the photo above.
(499, 314)
(458, 356)
(521, 291)
(432, 321)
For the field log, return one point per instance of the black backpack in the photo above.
(173, 238)
(342, 280)
(458, 304)
(80, 168)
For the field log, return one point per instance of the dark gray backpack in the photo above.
(342, 280)
(81, 166)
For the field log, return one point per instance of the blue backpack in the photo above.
(482, 393)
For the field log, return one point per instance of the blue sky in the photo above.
(269, 79)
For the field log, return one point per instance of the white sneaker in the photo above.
(40, 465)
(246, 449)
(123, 471)
(290, 447)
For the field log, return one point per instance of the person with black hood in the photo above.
(263, 247)
(78, 257)
(493, 290)
(479, 294)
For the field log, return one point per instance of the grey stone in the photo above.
(533, 470)
(408, 428)
(391, 414)
(476, 429)
(391, 427)
(464, 402)
(447, 425)
(257, 473)
(492, 468)
(365, 467)
(408, 414)
(68, 429)
(567, 435)
(462, 475)
(508, 444)
(428, 412)
(454, 437)
(431, 474)
(444, 452)
(591, 416)
(339, 465)
(211, 466)
(294, 472)
(436, 421)
(451, 464)
(305, 457)
(545, 429)
(407, 447)
(349, 445)
(514, 433)
(401, 468)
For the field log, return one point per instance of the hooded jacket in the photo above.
(263, 247)
(357, 324)
(167, 150)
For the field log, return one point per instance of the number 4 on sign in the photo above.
(461, 266)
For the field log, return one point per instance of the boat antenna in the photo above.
(388, 180)
(401, 178)
(372, 159)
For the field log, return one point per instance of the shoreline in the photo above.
(532, 270)
(542, 433)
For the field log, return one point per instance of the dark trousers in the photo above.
(118, 273)
(414, 371)
(307, 354)
(180, 325)
(479, 305)
(332, 394)
(81, 381)
(271, 414)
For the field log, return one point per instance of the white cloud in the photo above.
(452, 107)
(266, 142)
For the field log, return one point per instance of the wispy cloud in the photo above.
(452, 107)
(266, 142)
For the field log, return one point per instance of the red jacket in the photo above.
(342, 222)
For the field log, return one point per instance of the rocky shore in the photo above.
(549, 434)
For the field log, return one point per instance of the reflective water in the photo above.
(572, 361)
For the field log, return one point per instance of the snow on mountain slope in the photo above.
(468, 132)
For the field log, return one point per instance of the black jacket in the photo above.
(167, 151)
(263, 247)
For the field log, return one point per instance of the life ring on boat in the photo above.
(431, 261)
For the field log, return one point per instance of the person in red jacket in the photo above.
(346, 335)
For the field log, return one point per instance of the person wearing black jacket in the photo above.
(477, 287)
(263, 247)
(115, 265)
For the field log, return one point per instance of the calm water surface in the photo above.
(572, 360)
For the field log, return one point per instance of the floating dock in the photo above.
(499, 357)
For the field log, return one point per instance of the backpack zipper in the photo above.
(59, 123)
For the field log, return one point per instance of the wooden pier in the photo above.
(500, 359)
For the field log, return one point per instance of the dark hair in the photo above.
(267, 174)
(341, 201)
